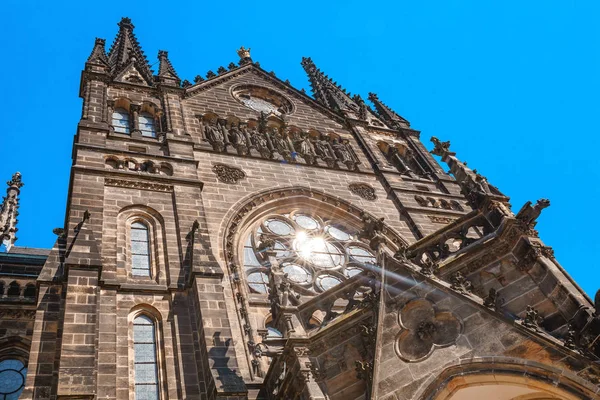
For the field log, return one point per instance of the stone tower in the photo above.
(235, 238)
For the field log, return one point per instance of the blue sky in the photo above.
(514, 85)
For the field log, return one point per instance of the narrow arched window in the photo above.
(140, 250)
(145, 359)
(12, 379)
(147, 126)
(120, 120)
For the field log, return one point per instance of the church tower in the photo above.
(236, 238)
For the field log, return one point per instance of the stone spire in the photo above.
(98, 55)
(9, 213)
(326, 91)
(166, 72)
(389, 116)
(126, 50)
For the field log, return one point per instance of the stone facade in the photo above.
(282, 247)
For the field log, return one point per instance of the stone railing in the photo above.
(347, 296)
(452, 240)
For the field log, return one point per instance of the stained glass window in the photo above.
(12, 379)
(140, 250)
(120, 120)
(145, 360)
(147, 127)
(315, 252)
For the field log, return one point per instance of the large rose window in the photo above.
(315, 252)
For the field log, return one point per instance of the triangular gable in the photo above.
(130, 74)
(269, 78)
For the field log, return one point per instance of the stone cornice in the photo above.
(108, 150)
(131, 176)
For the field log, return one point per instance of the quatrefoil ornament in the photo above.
(424, 330)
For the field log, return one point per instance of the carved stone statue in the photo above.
(215, 137)
(281, 144)
(305, 148)
(528, 214)
(441, 148)
(259, 141)
(323, 151)
(343, 152)
(237, 137)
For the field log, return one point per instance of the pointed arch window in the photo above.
(120, 121)
(145, 358)
(147, 124)
(140, 249)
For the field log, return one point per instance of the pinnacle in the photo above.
(98, 55)
(126, 49)
(165, 68)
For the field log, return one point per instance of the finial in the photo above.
(125, 23)
(16, 181)
(441, 148)
(244, 55)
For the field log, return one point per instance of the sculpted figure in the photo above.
(323, 151)
(305, 149)
(259, 141)
(281, 144)
(342, 151)
(214, 136)
(237, 137)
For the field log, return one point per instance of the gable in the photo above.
(302, 111)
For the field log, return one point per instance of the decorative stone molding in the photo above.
(363, 190)
(440, 220)
(227, 174)
(424, 329)
(156, 187)
(17, 314)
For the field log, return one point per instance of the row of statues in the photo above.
(269, 141)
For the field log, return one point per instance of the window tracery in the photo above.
(12, 379)
(316, 252)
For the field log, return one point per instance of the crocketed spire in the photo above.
(126, 50)
(98, 55)
(325, 91)
(9, 213)
(388, 115)
(166, 72)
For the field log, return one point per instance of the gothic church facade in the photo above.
(235, 238)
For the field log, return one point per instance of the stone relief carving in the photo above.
(263, 139)
(432, 202)
(424, 329)
(227, 174)
(132, 164)
(157, 187)
(363, 190)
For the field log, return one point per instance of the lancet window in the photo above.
(316, 252)
(145, 358)
(147, 124)
(120, 121)
(140, 249)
